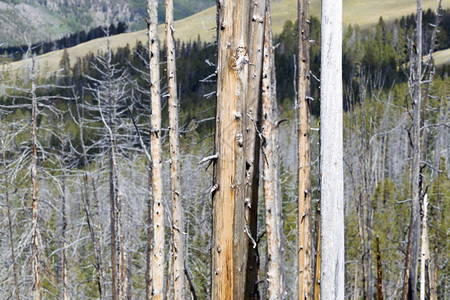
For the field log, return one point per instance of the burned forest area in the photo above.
(300, 158)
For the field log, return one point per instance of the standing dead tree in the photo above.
(331, 153)
(235, 167)
(155, 152)
(179, 282)
(305, 272)
(412, 256)
(271, 167)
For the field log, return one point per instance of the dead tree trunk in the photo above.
(65, 295)
(252, 151)
(415, 79)
(305, 272)
(331, 153)
(155, 141)
(425, 250)
(179, 282)
(35, 265)
(272, 186)
(231, 242)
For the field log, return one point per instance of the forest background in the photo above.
(72, 161)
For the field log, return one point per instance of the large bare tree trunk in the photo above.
(179, 282)
(331, 153)
(35, 265)
(230, 242)
(272, 186)
(415, 176)
(155, 152)
(305, 272)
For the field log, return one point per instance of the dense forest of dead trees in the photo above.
(107, 194)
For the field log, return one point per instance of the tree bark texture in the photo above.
(179, 282)
(331, 153)
(415, 176)
(305, 272)
(231, 237)
(272, 186)
(252, 150)
(155, 141)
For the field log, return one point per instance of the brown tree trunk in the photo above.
(179, 282)
(230, 242)
(305, 272)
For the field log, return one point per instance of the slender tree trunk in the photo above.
(230, 238)
(179, 282)
(415, 134)
(35, 265)
(305, 272)
(272, 192)
(10, 229)
(252, 150)
(64, 294)
(331, 153)
(149, 270)
(425, 251)
(379, 271)
(158, 267)
(317, 260)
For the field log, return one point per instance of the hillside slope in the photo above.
(41, 20)
(362, 12)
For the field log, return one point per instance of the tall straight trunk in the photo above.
(272, 186)
(230, 242)
(10, 229)
(64, 291)
(331, 153)
(155, 152)
(415, 176)
(305, 272)
(425, 251)
(35, 265)
(252, 151)
(179, 282)
(317, 258)
(149, 270)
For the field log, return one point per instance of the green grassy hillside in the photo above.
(362, 12)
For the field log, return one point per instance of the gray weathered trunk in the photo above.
(415, 176)
(155, 141)
(272, 186)
(331, 153)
